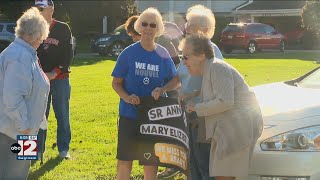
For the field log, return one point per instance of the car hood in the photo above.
(286, 107)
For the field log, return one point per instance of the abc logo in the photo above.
(15, 148)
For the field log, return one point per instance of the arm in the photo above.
(223, 85)
(66, 52)
(173, 53)
(169, 86)
(17, 85)
(187, 96)
(117, 85)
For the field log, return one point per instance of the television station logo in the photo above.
(26, 147)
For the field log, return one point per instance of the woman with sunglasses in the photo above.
(232, 116)
(140, 68)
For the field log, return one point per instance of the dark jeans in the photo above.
(10, 167)
(199, 154)
(60, 97)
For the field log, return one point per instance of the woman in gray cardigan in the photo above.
(233, 120)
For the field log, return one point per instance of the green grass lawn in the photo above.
(94, 109)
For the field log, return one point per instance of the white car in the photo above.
(289, 148)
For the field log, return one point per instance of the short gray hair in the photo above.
(32, 24)
(200, 44)
(150, 12)
(203, 17)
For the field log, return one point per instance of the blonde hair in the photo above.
(32, 24)
(202, 17)
(153, 12)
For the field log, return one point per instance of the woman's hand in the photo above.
(132, 99)
(26, 131)
(190, 108)
(157, 92)
(182, 96)
(51, 75)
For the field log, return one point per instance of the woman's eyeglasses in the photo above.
(152, 25)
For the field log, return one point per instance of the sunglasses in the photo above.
(152, 25)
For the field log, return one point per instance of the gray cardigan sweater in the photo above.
(232, 115)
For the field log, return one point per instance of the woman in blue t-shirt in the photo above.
(140, 68)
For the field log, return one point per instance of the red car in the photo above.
(251, 37)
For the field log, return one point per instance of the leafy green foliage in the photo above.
(310, 16)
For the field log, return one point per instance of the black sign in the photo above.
(163, 133)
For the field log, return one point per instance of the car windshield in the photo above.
(233, 28)
(119, 30)
(311, 81)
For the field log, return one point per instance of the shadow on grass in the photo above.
(90, 60)
(304, 56)
(46, 167)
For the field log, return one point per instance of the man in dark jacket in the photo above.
(55, 55)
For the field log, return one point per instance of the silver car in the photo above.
(289, 148)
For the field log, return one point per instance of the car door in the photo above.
(258, 34)
(272, 37)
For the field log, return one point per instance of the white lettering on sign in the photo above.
(164, 112)
(167, 131)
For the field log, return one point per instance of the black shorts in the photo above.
(128, 147)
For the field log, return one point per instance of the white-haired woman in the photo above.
(24, 90)
(232, 116)
(200, 19)
(134, 78)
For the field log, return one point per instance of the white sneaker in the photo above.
(64, 154)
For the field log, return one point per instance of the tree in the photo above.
(13, 9)
(311, 16)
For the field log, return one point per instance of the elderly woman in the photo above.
(24, 90)
(200, 19)
(140, 68)
(233, 120)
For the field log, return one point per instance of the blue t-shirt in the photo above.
(193, 83)
(142, 72)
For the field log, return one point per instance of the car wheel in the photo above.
(116, 49)
(282, 46)
(227, 50)
(252, 47)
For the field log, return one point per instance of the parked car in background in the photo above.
(251, 37)
(289, 147)
(111, 44)
(6, 34)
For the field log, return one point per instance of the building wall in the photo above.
(181, 6)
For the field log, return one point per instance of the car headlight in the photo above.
(104, 39)
(304, 139)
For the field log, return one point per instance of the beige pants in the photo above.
(234, 165)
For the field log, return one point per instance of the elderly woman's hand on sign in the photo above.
(190, 108)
